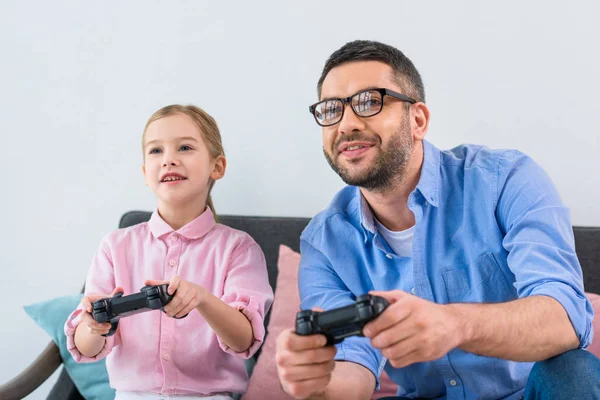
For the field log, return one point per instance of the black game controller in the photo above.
(113, 308)
(341, 322)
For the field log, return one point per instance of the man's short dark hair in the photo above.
(405, 73)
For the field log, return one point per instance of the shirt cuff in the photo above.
(349, 351)
(250, 308)
(578, 308)
(70, 326)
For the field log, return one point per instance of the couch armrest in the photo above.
(33, 376)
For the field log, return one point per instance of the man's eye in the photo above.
(154, 151)
(185, 147)
(369, 103)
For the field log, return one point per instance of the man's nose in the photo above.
(350, 122)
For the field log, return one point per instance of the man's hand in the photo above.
(187, 297)
(87, 321)
(304, 363)
(413, 330)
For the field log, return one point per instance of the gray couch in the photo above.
(269, 232)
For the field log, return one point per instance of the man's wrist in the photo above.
(462, 325)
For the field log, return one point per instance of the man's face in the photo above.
(370, 152)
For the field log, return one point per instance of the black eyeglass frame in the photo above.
(382, 91)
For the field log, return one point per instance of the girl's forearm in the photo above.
(87, 343)
(230, 325)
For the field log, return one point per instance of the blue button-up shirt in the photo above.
(490, 227)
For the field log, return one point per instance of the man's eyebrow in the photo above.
(361, 90)
(180, 139)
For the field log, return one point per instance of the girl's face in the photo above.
(178, 166)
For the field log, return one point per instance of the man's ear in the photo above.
(219, 168)
(419, 120)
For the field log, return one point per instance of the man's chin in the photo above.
(355, 179)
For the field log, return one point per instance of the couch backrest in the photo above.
(587, 246)
(270, 232)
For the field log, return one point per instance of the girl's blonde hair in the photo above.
(207, 126)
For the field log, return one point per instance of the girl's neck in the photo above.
(178, 216)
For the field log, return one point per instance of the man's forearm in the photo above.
(529, 329)
(349, 381)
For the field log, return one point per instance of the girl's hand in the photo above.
(188, 296)
(93, 327)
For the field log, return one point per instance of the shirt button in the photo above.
(452, 382)
(172, 263)
(388, 255)
(166, 357)
(175, 237)
(413, 291)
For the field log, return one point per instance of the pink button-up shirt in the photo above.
(156, 353)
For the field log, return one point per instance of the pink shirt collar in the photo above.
(193, 230)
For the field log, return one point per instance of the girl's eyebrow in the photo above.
(181, 139)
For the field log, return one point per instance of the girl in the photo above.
(218, 275)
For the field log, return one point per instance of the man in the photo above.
(472, 248)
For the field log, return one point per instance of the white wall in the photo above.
(79, 79)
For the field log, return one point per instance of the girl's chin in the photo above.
(179, 200)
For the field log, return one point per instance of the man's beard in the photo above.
(390, 165)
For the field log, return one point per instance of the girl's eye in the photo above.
(154, 151)
(185, 147)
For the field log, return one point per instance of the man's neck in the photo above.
(390, 207)
(178, 216)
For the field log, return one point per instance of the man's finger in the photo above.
(310, 357)
(393, 335)
(294, 342)
(312, 371)
(391, 296)
(394, 314)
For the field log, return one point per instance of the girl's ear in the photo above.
(219, 168)
(145, 177)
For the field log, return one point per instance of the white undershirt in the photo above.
(399, 241)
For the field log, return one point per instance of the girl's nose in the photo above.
(171, 163)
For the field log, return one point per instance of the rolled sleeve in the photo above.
(100, 279)
(578, 308)
(70, 327)
(539, 240)
(359, 351)
(247, 289)
(253, 310)
(320, 286)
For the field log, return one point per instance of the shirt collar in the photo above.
(429, 186)
(193, 230)
(429, 182)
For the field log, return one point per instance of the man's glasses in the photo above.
(364, 104)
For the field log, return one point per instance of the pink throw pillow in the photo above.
(594, 348)
(264, 383)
